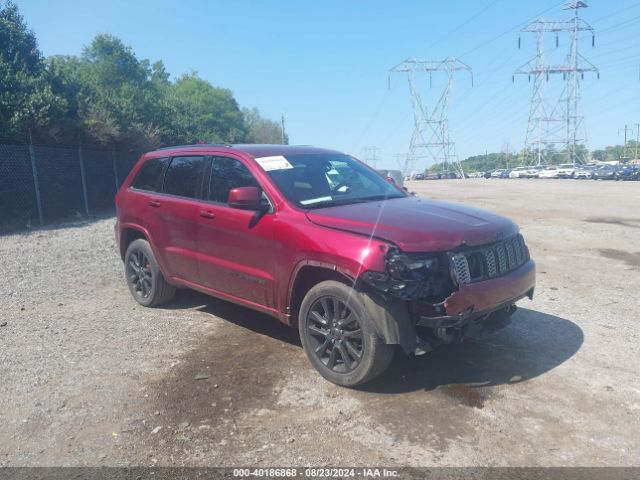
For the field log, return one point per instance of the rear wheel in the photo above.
(144, 278)
(338, 335)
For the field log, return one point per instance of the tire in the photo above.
(144, 278)
(327, 338)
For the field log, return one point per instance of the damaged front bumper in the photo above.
(397, 321)
(475, 300)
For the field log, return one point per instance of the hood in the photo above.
(417, 224)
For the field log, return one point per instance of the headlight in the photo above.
(407, 277)
(405, 269)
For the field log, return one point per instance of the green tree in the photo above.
(204, 113)
(26, 99)
(119, 95)
(260, 129)
(109, 97)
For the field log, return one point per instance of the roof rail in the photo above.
(203, 145)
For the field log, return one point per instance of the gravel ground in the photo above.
(88, 377)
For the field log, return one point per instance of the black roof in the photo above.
(256, 150)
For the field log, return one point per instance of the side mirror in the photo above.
(246, 198)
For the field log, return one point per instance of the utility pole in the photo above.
(505, 150)
(558, 122)
(371, 156)
(635, 157)
(430, 141)
(624, 149)
(282, 124)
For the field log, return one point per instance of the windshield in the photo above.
(325, 180)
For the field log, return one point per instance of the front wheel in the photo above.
(338, 336)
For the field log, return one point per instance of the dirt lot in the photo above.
(88, 377)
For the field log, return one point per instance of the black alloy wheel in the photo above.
(139, 273)
(335, 334)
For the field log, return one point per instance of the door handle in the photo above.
(154, 203)
(207, 214)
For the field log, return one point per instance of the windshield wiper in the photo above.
(350, 201)
(325, 203)
(373, 198)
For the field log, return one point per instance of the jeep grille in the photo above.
(490, 261)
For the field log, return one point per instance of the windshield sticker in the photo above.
(316, 200)
(276, 162)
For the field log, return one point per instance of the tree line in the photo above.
(108, 96)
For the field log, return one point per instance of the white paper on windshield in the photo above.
(276, 162)
(315, 200)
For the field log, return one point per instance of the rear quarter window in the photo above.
(149, 177)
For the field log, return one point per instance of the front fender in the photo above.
(391, 320)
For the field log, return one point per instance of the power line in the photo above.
(371, 156)
(373, 118)
(620, 25)
(463, 24)
(617, 12)
(506, 32)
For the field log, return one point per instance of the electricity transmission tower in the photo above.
(431, 140)
(556, 122)
(371, 156)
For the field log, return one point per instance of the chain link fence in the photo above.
(41, 185)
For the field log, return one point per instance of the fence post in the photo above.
(84, 178)
(36, 184)
(115, 168)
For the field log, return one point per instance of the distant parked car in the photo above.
(497, 173)
(605, 172)
(418, 176)
(566, 170)
(487, 174)
(583, 171)
(505, 174)
(549, 172)
(628, 172)
(395, 175)
(534, 172)
(518, 172)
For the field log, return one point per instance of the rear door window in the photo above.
(149, 177)
(184, 176)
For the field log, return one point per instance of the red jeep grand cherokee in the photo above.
(319, 240)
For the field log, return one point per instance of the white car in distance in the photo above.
(566, 170)
(584, 172)
(518, 172)
(534, 172)
(549, 172)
